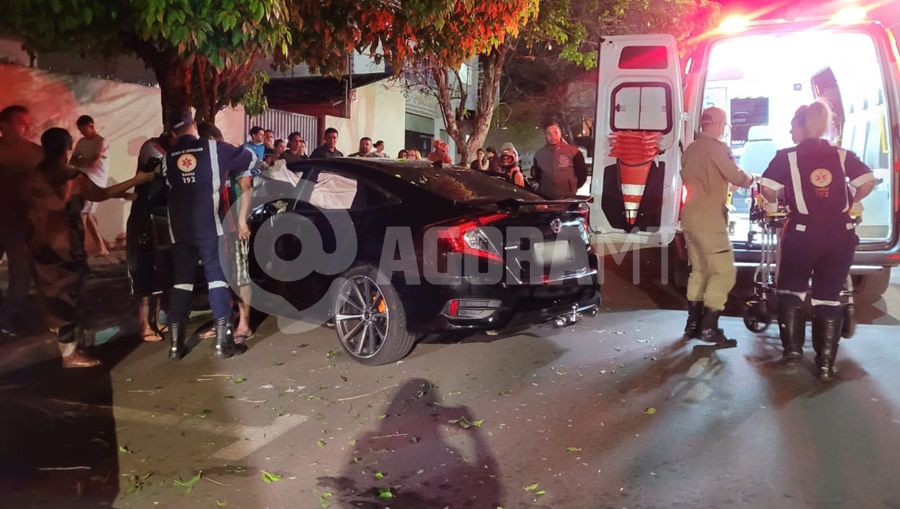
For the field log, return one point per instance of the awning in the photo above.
(316, 89)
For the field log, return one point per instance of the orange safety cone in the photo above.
(634, 152)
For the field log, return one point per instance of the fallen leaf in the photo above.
(650, 411)
(540, 493)
(379, 475)
(332, 354)
(385, 494)
(221, 503)
(124, 449)
(353, 442)
(320, 443)
(414, 440)
(189, 484)
(531, 487)
(573, 449)
(269, 477)
(239, 380)
(465, 424)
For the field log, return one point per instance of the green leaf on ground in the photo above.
(379, 475)
(381, 417)
(235, 469)
(385, 494)
(124, 449)
(353, 442)
(465, 424)
(189, 484)
(573, 449)
(323, 499)
(137, 482)
(414, 440)
(531, 487)
(269, 477)
(650, 411)
(320, 443)
(221, 503)
(239, 380)
(332, 354)
(540, 493)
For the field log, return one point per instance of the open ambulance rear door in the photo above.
(637, 190)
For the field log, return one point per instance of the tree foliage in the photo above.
(202, 52)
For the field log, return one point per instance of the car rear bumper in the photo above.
(518, 305)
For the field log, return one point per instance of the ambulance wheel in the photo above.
(756, 316)
(848, 329)
(870, 287)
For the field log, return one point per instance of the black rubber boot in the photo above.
(177, 333)
(225, 345)
(695, 315)
(826, 333)
(792, 328)
(710, 331)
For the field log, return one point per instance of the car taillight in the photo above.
(467, 237)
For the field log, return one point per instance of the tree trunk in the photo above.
(480, 124)
(491, 71)
(171, 75)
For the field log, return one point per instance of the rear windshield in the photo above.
(459, 184)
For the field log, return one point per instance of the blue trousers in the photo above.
(185, 256)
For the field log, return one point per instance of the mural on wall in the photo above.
(125, 114)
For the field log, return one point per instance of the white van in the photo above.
(759, 72)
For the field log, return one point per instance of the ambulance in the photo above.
(759, 72)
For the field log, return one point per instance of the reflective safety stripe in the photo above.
(797, 184)
(832, 303)
(771, 184)
(218, 284)
(633, 189)
(216, 183)
(802, 295)
(842, 155)
(801, 227)
(187, 288)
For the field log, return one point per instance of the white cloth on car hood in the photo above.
(333, 192)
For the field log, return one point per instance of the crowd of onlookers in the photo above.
(50, 195)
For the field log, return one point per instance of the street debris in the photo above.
(465, 424)
(269, 477)
(189, 483)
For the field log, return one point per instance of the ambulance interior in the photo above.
(760, 80)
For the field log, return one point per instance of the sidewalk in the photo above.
(110, 309)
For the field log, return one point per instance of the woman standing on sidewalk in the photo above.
(55, 237)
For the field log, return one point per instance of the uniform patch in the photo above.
(187, 163)
(820, 178)
(564, 161)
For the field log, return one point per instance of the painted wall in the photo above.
(377, 112)
(125, 114)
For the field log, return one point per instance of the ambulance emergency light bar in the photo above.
(846, 16)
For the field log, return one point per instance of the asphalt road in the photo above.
(615, 412)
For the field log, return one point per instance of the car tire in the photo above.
(395, 340)
(870, 287)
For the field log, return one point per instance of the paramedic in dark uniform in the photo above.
(708, 168)
(196, 171)
(818, 239)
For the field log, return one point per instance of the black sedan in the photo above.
(392, 251)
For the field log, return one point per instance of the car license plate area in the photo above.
(555, 252)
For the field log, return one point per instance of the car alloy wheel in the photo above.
(361, 319)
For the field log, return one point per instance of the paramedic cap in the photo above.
(713, 115)
(181, 119)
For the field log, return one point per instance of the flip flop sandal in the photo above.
(241, 339)
(152, 337)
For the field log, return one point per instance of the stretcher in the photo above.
(761, 309)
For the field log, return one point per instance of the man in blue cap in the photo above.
(196, 171)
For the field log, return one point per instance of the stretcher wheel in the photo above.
(756, 316)
(849, 325)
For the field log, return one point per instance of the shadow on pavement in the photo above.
(58, 446)
(423, 460)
